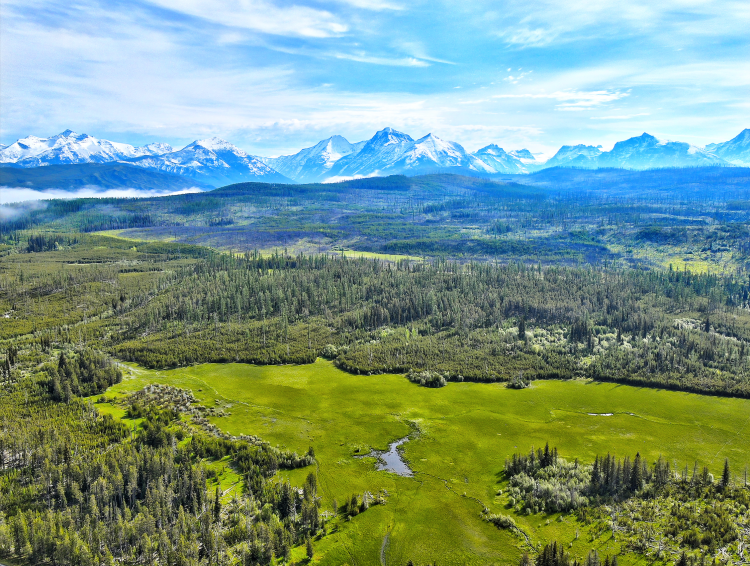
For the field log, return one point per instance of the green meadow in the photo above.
(460, 436)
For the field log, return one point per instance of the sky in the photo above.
(273, 76)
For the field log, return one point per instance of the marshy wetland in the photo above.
(455, 441)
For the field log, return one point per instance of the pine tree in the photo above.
(217, 505)
(725, 475)
(522, 328)
(636, 475)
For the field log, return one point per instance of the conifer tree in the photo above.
(725, 475)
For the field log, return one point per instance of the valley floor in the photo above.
(460, 437)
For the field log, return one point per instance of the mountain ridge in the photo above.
(216, 162)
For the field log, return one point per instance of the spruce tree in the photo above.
(725, 475)
(636, 475)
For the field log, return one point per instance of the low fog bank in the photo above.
(10, 195)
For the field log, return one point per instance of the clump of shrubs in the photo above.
(501, 521)
(518, 382)
(428, 378)
(329, 352)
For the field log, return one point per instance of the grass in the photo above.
(373, 255)
(465, 432)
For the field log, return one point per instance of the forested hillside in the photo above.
(170, 305)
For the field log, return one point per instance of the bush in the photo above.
(428, 378)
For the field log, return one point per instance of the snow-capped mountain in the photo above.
(313, 163)
(428, 154)
(217, 162)
(494, 159)
(391, 152)
(736, 150)
(524, 155)
(69, 147)
(213, 161)
(384, 148)
(647, 152)
(575, 156)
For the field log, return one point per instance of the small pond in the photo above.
(391, 460)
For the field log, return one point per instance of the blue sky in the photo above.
(275, 76)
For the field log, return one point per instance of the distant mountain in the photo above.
(214, 162)
(380, 151)
(313, 163)
(391, 152)
(494, 159)
(647, 152)
(429, 153)
(523, 154)
(69, 147)
(99, 175)
(736, 150)
(640, 152)
(575, 156)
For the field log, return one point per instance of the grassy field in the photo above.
(461, 436)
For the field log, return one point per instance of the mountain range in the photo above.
(215, 162)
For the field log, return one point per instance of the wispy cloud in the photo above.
(573, 100)
(621, 117)
(518, 77)
(262, 16)
(388, 61)
(376, 5)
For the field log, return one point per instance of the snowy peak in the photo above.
(376, 155)
(522, 154)
(69, 147)
(646, 152)
(213, 161)
(389, 136)
(736, 150)
(431, 151)
(492, 149)
(494, 159)
(313, 163)
(575, 156)
(215, 144)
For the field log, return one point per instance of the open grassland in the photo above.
(461, 435)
